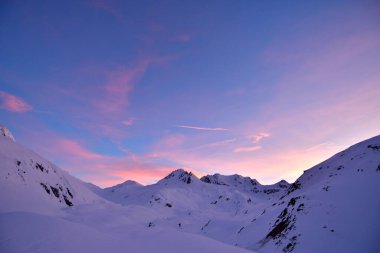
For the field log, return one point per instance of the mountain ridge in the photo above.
(334, 201)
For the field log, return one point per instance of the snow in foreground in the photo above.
(31, 232)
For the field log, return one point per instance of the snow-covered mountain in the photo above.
(44, 209)
(335, 201)
(245, 184)
(31, 183)
(332, 207)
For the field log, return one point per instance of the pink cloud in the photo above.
(13, 103)
(247, 149)
(109, 171)
(74, 149)
(118, 86)
(121, 81)
(258, 137)
(144, 175)
(128, 122)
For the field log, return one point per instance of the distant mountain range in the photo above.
(332, 207)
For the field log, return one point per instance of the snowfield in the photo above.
(332, 207)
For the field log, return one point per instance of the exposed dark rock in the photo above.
(206, 179)
(294, 186)
(270, 191)
(168, 205)
(253, 182)
(45, 187)
(40, 167)
(208, 223)
(182, 175)
(291, 245)
(69, 192)
(283, 213)
(292, 201)
(300, 207)
(67, 201)
(278, 229)
(374, 147)
(55, 191)
(209, 179)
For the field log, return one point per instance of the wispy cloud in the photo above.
(247, 149)
(75, 149)
(119, 85)
(13, 103)
(325, 145)
(258, 137)
(203, 128)
(215, 144)
(128, 122)
(121, 81)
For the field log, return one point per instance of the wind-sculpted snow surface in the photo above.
(332, 207)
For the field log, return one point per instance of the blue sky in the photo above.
(116, 90)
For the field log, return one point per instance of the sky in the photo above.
(118, 90)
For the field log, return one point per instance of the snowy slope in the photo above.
(332, 207)
(44, 209)
(118, 191)
(28, 182)
(217, 208)
(335, 201)
(30, 232)
(246, 184)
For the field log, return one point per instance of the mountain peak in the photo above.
(180, 175)
(6, 133)
(231, 180)
(130, 182)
